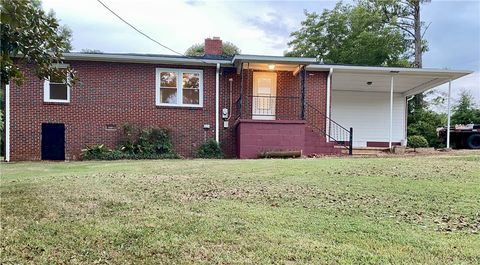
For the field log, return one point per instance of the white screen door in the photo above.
(264, 95)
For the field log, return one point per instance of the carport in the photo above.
(373, 100)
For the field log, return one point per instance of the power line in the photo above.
(139, 31)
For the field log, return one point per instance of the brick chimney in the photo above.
(213, 46)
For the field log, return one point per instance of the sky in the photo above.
(257, 27)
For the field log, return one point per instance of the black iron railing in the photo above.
(333, 131)
(291, 108)
(269, 107)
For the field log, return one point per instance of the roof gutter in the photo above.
(141, 59)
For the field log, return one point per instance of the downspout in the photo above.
(7, 123)
(230, 80)
(327, 112)
(217, 102)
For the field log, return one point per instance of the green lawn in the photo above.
(333, 210)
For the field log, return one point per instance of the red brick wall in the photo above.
(256, 137)
(119, 93)
(288, 106)
(107, 93)
(315, 95)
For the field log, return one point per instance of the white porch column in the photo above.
(448, 112)
(391, 114)
(327, 111)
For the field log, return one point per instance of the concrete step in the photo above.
(364, 151)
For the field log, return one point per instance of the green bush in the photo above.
(95, 152)
(155, 141)
(149, 143)
(210, 149)
(417, 141)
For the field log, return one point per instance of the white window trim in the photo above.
(46, 88)
(179, 73)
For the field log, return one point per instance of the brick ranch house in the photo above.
(250, 104)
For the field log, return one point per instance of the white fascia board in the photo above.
(272, 59)
(390, 70)
(129, 58)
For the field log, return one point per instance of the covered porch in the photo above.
(281, 107)
(374, 100)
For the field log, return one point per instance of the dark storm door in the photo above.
(53, 141)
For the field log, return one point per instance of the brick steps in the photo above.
(316, 144)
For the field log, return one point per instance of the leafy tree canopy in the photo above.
(229, 49)
(424, 122)
(465, 111)
(350, 35)
(32, 35)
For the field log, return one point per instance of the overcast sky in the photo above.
(257, 27)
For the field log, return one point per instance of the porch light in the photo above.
(271, 66)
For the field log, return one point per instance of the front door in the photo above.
(264, 95)
(53, 141)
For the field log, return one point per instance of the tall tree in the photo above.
(405, 15)
(348, 34)
(30, 35)
(465, 111)
(229, 49)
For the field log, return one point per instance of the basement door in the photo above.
(53, 141)
(264, 95)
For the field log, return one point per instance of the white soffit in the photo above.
(408, 81)
(264, 67)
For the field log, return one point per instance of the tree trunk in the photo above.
(418, 35)
(419, 98)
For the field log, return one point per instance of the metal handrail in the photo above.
(335, 132)
(338, 130)
(280, 107)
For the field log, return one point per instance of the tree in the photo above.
(465, 111)
(30, 35)
(229, 49)
(405, 15)
(424, 122)
(348, 34)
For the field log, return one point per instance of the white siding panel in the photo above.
(369, 115)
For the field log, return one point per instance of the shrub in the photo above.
(210, 149)
(417, 141)
(95, 152)
(155, 141)
(127, 143)
(149, 143)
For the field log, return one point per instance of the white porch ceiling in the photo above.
(264, 66)
(406, 84)
(408, 81)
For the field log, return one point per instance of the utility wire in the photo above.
(139, 31)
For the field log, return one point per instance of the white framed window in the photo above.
(179, 87)
(55, 89)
